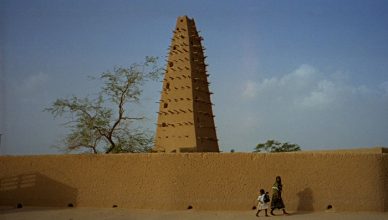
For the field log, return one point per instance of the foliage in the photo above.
(103, 124)
(275, 146)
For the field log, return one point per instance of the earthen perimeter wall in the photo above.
(348, 180)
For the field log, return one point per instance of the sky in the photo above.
(313, 73)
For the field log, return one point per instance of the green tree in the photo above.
(103, 124)
(275, 146)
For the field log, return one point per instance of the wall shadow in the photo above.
(385, 182)
(35, 189)
(187, 149)
(305, 200)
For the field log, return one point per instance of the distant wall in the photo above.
(348, 180)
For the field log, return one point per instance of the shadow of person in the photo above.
(306, 200)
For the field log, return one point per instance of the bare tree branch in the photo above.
(94, 125)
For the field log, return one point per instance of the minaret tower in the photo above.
(185, 117)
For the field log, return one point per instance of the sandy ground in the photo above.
(121, 214)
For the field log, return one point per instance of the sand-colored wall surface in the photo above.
(348, 180)
(385, 176)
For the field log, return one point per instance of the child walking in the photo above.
(262, 203)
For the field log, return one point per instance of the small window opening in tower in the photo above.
(168, 86)
(181, 20)
(171, 64)
(164, 124)
(165, 105)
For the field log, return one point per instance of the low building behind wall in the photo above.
(346, 180)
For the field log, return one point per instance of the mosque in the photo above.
(185, 117)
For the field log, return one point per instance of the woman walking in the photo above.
(277, 201)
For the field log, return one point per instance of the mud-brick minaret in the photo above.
(186, 120)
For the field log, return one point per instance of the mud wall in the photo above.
(348, 180)
(385, 183)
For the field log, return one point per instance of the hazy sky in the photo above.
(309, 72)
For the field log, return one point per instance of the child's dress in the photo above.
(262, 205)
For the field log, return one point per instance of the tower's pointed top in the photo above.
(184, 17)
(184, 20)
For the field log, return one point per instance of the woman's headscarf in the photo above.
(278, 184)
